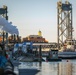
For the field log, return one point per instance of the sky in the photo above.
(30, 16)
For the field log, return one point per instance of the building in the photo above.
(14, 39)
(35, 38)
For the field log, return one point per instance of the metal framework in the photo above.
(64, 25)
(3, 12)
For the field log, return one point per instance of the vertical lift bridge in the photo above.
(64, 25)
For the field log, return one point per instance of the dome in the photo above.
(39, 33)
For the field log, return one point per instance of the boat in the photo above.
(28, 71)
(68, 50)
(67, 55)
(53, 56)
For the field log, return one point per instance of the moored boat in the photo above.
(68, 50)
(53, 56)
(67, 55)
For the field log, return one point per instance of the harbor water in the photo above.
(64, 67)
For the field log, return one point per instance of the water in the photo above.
(65, 67)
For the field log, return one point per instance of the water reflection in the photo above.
(65, 69)
(51, 68)
(68, 68)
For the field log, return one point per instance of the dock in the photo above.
(28, 71)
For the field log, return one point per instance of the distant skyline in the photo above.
(30, 16)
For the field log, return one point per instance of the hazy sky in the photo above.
(30, 16)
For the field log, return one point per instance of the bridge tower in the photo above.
(64, 19)
(3, 13)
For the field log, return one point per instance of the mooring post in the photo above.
(40, 53)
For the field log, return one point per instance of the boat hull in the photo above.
(52, 60)
(67, 55)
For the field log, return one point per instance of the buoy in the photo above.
(67, 60)
(46, 60)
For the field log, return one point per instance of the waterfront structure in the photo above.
(14, 39)
(4, 35)
(35, 38)
(3, 12)
(64, 25)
